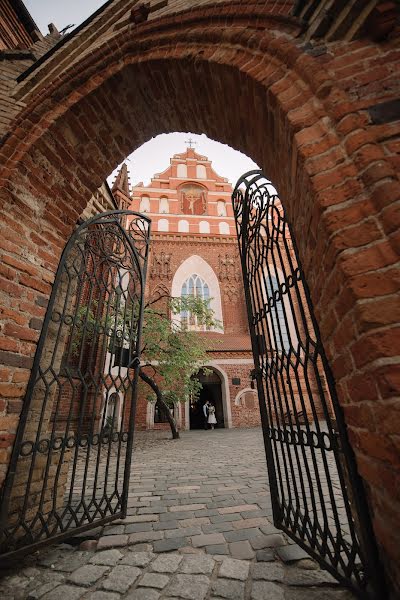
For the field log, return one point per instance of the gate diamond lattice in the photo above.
(317, 495)
(70, 465)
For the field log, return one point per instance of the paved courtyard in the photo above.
(199, 527)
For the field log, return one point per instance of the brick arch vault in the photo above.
(244, 76)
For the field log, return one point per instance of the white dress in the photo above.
(211, 416)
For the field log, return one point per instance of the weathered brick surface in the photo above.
(304, 118)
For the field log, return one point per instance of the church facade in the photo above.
(194, 250)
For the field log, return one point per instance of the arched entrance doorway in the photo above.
(212, 391)
(304, 128)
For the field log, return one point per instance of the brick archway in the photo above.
(252, 85)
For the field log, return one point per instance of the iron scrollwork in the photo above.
(71, 459)
(317, 495)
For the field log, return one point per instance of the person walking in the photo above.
(211, 415)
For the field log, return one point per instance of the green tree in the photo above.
(172, 354)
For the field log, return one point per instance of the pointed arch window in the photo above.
(197, 287)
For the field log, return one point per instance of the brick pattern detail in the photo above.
(244, 74)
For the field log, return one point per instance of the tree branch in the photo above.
(160, 401)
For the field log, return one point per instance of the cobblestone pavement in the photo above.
(199, 526)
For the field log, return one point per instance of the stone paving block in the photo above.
(217, 527)
(248, 523)
(241, 534)
(143, 594)
(138, 505)
(228, 588)
(186, 507)
(208, 539)
(184, 488)
(138, 527)
(307, 563)
(167, 563)
(241, 550)
(196, 522)
(88, 574)
(142, 547)
(112, 541)
(164, 525)
(234, 569)
(154, 580)
(169, 545)
(237, 509)
(183, 532)
(39, 592)
(291, 553)
(197, 564)
(217, 549)
(173, 516)
(145, 536)
(301, 577)
(65, 592)
(262, 590)
(141, 519)
(270, 571)
(190, 550)
(270, 529)
(267, 541)
(265, 555)
(137, 559)
(255, 514)
(107, 557)
(207, 512)
(99, 595)
(225, 518)
(121, 578)
(114, 530)
(149, 510)
(192, 587)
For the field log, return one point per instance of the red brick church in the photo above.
(194, 251)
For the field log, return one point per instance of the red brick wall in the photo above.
(305, 118)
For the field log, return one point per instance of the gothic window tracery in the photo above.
(197, 287)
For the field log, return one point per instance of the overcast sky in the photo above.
(153, 157)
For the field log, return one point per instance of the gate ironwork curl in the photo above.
(317, 495)
(70, 465)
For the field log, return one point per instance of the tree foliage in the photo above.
(171, 353)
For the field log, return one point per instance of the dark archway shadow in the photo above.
(212, 391)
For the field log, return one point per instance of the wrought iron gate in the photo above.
(317, 495)
(70, 464)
